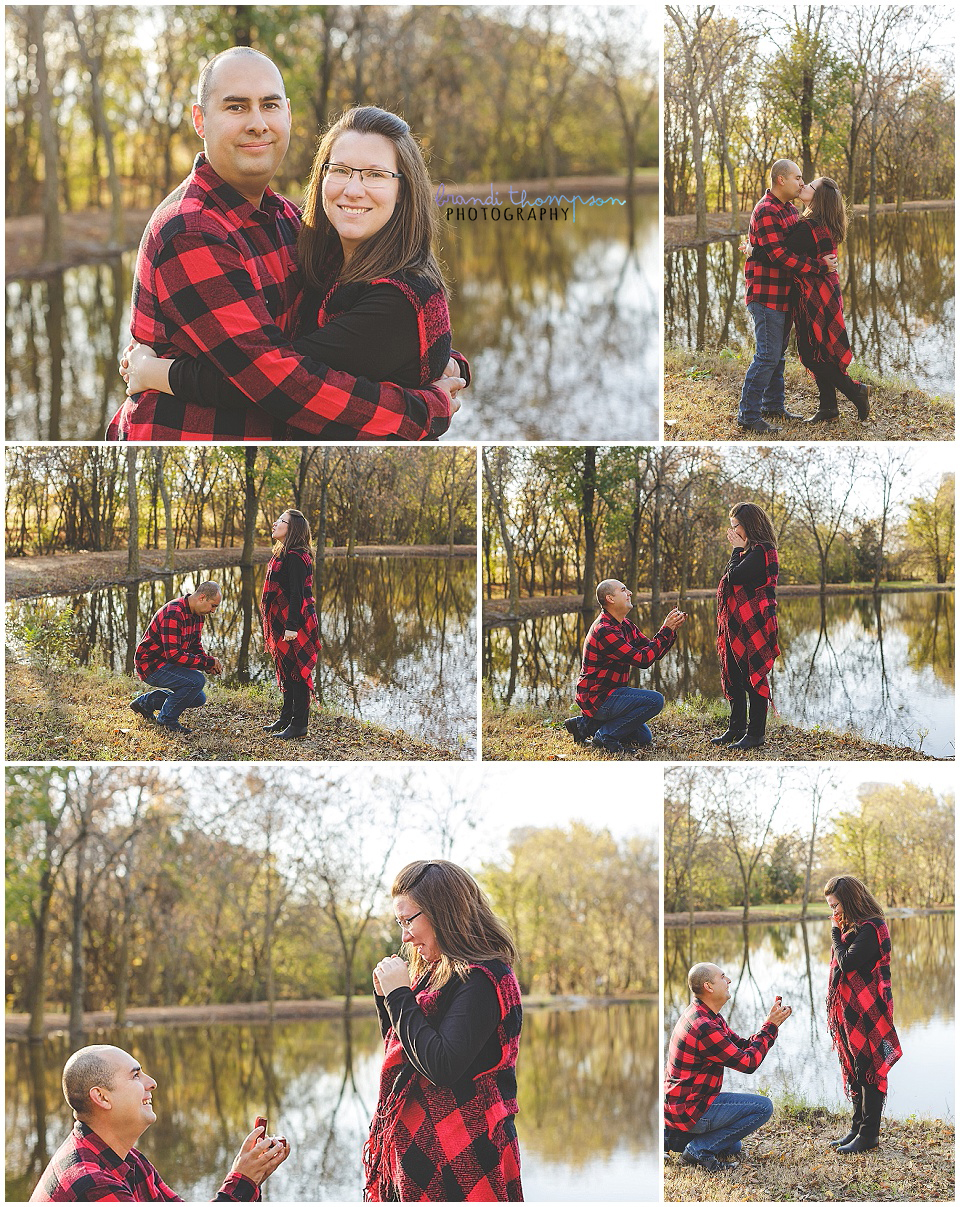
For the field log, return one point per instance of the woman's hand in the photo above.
(735, 539)
(377, 987)
(451, 385)
(142, 369)
(391, 973)
(838, 919)
(257, 1159)
(289, 634)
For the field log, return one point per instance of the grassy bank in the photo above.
(682, 733)
(788, 1161)
(701, 391)
(85, 714)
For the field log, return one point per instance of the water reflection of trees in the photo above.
(316, 1082)
(541, 309)
(882, 665)
(398, 634)
(897, 279)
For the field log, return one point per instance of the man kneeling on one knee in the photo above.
(171, 658)
(615, 715)
(702, 1045)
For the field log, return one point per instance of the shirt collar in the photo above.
(102, 1149)
(230, 200)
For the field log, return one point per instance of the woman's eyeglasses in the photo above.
(404, 923)
(373, 178)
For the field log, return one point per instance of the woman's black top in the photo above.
(462, 1043)
(291, 576)
(799, 239)
(862, 953)
(377, 338)
(748, 570)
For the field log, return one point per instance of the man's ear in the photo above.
(197, 114)
(99, 1098)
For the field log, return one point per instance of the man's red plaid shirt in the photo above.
(611, 650)
(770, 267)
(84, 1169)
(701, 1047)
(172, 636)
(217, 276)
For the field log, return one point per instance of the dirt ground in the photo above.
(69, 573)
(680, 230)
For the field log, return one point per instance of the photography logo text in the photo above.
(515, 208)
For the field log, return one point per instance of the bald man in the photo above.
(112, 1102)
(701, 1047)
(613, 715)
(769, 271)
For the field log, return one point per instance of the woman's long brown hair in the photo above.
(827, 209)
(466, 928)
(298, 534)
(856, 900)
(755, 523)
(406, 242)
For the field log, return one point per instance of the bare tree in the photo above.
(496, 462)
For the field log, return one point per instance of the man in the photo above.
(769, 273)
(170, 657)
(216, 274)
(701, 1047)
(615, 715)
(112, 1102)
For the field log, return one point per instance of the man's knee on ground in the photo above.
(764, 1108)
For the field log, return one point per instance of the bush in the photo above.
(44, 632)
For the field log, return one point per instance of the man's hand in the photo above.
(217, 668)
(257, 1159)
(674, 620)
(391, 973)
(779, 1013)
(832, 262)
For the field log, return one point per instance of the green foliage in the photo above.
(45, 633)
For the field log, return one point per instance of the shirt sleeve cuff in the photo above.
(240, 1188)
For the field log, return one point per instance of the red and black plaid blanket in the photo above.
(296, 659)
(818, 313)
(860, 1016)
(431, 1143)
(747, 624)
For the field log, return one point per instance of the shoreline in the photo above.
(78, 573)
(494, 611)
(292, 1010)
(766, 916)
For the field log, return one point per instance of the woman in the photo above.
(291, 631)
(444, 1125)
(860, 1006)
(747, 625)
(375, 304)
(822, 342)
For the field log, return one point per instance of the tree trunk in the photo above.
(158, 456)
(133, 507)
(94, 65)
(52, 251)
(513, 584)
(77, 959)
(249, 505)
(589, 522)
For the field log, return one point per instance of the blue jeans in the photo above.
(763, 392)
(182, 688)
(726, 1121)
(622, 714)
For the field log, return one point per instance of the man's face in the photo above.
(130, 1097)
(791, 183)
(203, 605)
(620, 598)
(245, 126)
(719, 985)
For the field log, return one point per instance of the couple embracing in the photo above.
(251, 321)
(613, 717)
(791, 276)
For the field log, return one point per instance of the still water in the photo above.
(560, 322)
(399, 636)
(588, 1091)
(881, 666)
(897, 276)
(792, 959)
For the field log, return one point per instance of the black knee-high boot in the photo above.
(301, 710)
(286, 712)
(869, 1134)
(856, 1097)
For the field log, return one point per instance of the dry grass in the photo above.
(701, 391)
(681, 733)
(787, 1161)
(85, 714)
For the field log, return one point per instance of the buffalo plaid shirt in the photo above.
(610, 652)
(84, 1169)
(770, 267)
(172, 636)
(217, 276)
(701, 1047)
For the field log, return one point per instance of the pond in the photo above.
(792, 959)
(897, 276)
(882, 666)
(589, 1100)
(399, 636)
(560, 321)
